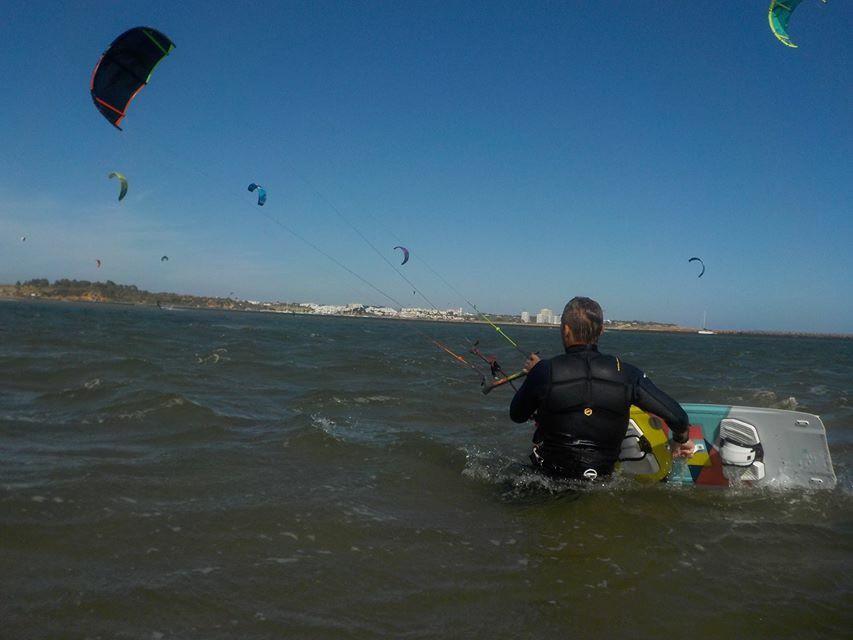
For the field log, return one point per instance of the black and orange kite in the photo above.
(125, 68)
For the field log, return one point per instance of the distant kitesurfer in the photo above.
(581, 401)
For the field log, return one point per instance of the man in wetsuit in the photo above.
(581, 401)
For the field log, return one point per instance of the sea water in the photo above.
(204, 474)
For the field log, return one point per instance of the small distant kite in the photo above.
(405, 254)
(98, 262)
(262, 193)
(778, 15)
(699, 260)
(124, 68)
(123, 190)
(23, 238)
(164, 259)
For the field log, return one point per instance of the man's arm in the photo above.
(652, 400)
(527, 398)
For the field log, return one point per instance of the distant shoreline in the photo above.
(9, 296)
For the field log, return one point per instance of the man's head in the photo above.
(582, 322)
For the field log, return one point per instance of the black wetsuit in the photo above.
(582, 401)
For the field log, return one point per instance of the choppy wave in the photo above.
(207, 474)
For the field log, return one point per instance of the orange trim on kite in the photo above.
(133, 95)
(109, 106)
(92, 80)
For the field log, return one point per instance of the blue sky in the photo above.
(527, 151)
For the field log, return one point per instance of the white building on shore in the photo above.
(382, 311)
(545, 316)
(525, 316)
(359, 309)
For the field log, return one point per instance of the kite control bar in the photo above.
(497, 371)
(502, 381)
(492, 361)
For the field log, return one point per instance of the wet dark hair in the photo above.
(585, 318)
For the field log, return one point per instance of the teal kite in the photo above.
(778, 15)
(262, 193)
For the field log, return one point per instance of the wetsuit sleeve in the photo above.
(527, 398)
(652, 400)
